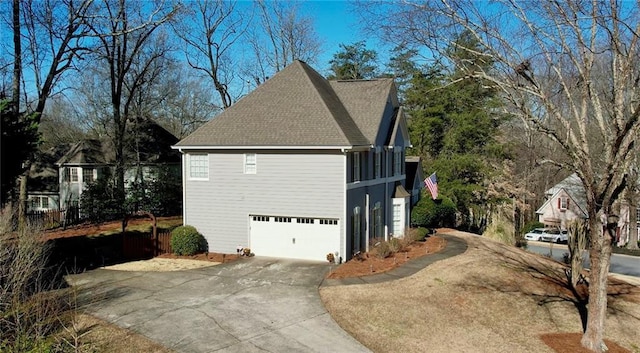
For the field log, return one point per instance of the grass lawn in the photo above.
(492, 298)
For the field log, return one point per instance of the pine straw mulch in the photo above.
(212, 257)
(370, 264)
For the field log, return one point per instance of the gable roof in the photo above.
(43, 172)
(89, 151)
(153, 141)
(299, 107)
(555, 196)
(573, 186)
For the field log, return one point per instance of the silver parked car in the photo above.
(543, 234)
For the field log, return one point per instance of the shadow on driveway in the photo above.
(253, 305)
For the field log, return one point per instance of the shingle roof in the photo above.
(573, 186)
(366, 101)
(87, 151)
(298, 107)
(152, 140)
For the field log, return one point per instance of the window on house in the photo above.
(34, 202)
(328, 221)
(397, 224)
(377, 220)
(563, 203)
(377, 164)
(44, 202)
(304, 220)
(356, 229)
(397, 162)
(250, 163)
(261, 218)
(74, 175)
(87, 175)
(356, 166)
(199, 166)
(283, 219)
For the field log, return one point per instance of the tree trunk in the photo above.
(17, 58)
(599, 254)
(22, 205)
(633, 223)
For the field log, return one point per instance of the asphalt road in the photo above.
(622, 264)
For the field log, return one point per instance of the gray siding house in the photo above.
(147, 148)
(300, 168)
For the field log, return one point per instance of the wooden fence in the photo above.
(54, 218)
(137, 245)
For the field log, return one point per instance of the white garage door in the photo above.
(294, 237)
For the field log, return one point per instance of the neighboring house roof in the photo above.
(88, 151)
(299, 107)
(43, 173)
(573, 186)
(146, 140)
(555, 196)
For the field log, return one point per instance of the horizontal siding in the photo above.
(298, 184)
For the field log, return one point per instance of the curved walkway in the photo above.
(455, 246)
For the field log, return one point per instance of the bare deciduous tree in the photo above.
(279, 36)
(566, 69)
(209, 31)
(123, 32)
(53, 31)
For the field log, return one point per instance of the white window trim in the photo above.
(71, 175)
(189, 161)
(93, 174)
(250, 168)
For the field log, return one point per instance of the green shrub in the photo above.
(185, 240)
(434, 213)
(422, 233)
(101, 200)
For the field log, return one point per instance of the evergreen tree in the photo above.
(454, 127)
(19, 140)
(353, 62)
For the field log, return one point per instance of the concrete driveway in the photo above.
(251, 305)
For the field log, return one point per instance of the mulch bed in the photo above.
(212, 256)
(570, 343)
(370, 264)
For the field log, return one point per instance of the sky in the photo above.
(336, 24)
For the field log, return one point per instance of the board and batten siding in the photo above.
(295, 184)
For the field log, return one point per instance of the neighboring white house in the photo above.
(300, 168)
(566, 201)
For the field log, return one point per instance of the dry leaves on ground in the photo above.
(492, 298)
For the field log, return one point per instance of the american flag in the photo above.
(432, 184)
